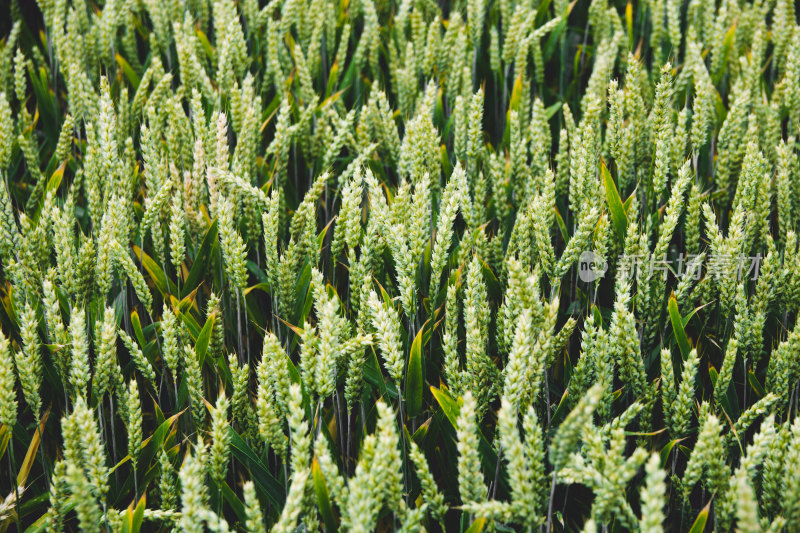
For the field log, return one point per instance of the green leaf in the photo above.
(629, 24)
(138, 515)
(374, 376)
(751, 377)
(152, 444)
(294, 374)
(493, 287)
(555, 37)
(263, 480)
(562, 227)
(204, 41)
(552, 110)
(700, 522)
(321, 236)
(677, 327)
(349, 74)
(5, 437)
(133, 78)
(233, 500)
(323, 500)
(561, 410)
(448, 404)
(191, 325)
(127, 520)
(421, 432)
(136, 324)
(542, 12)
(186, 303)
(153, 269)
(55, 179)
(477, 526)
(263, 287)
(333, 77)
(615, 208)
(447, 168)
(200, 260)
(451, 410)
(46, 103)
(684, 450)
(30, 456)
(666, 450)
(629, 201)
(303, 294)
(203, 339)
(414, 376)
(516, 94)
(727, 44)
(52, 185)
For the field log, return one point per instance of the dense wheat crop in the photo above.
(399, 265)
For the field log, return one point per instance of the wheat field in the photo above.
(416, 265)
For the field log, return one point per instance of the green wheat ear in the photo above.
(8, 396)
